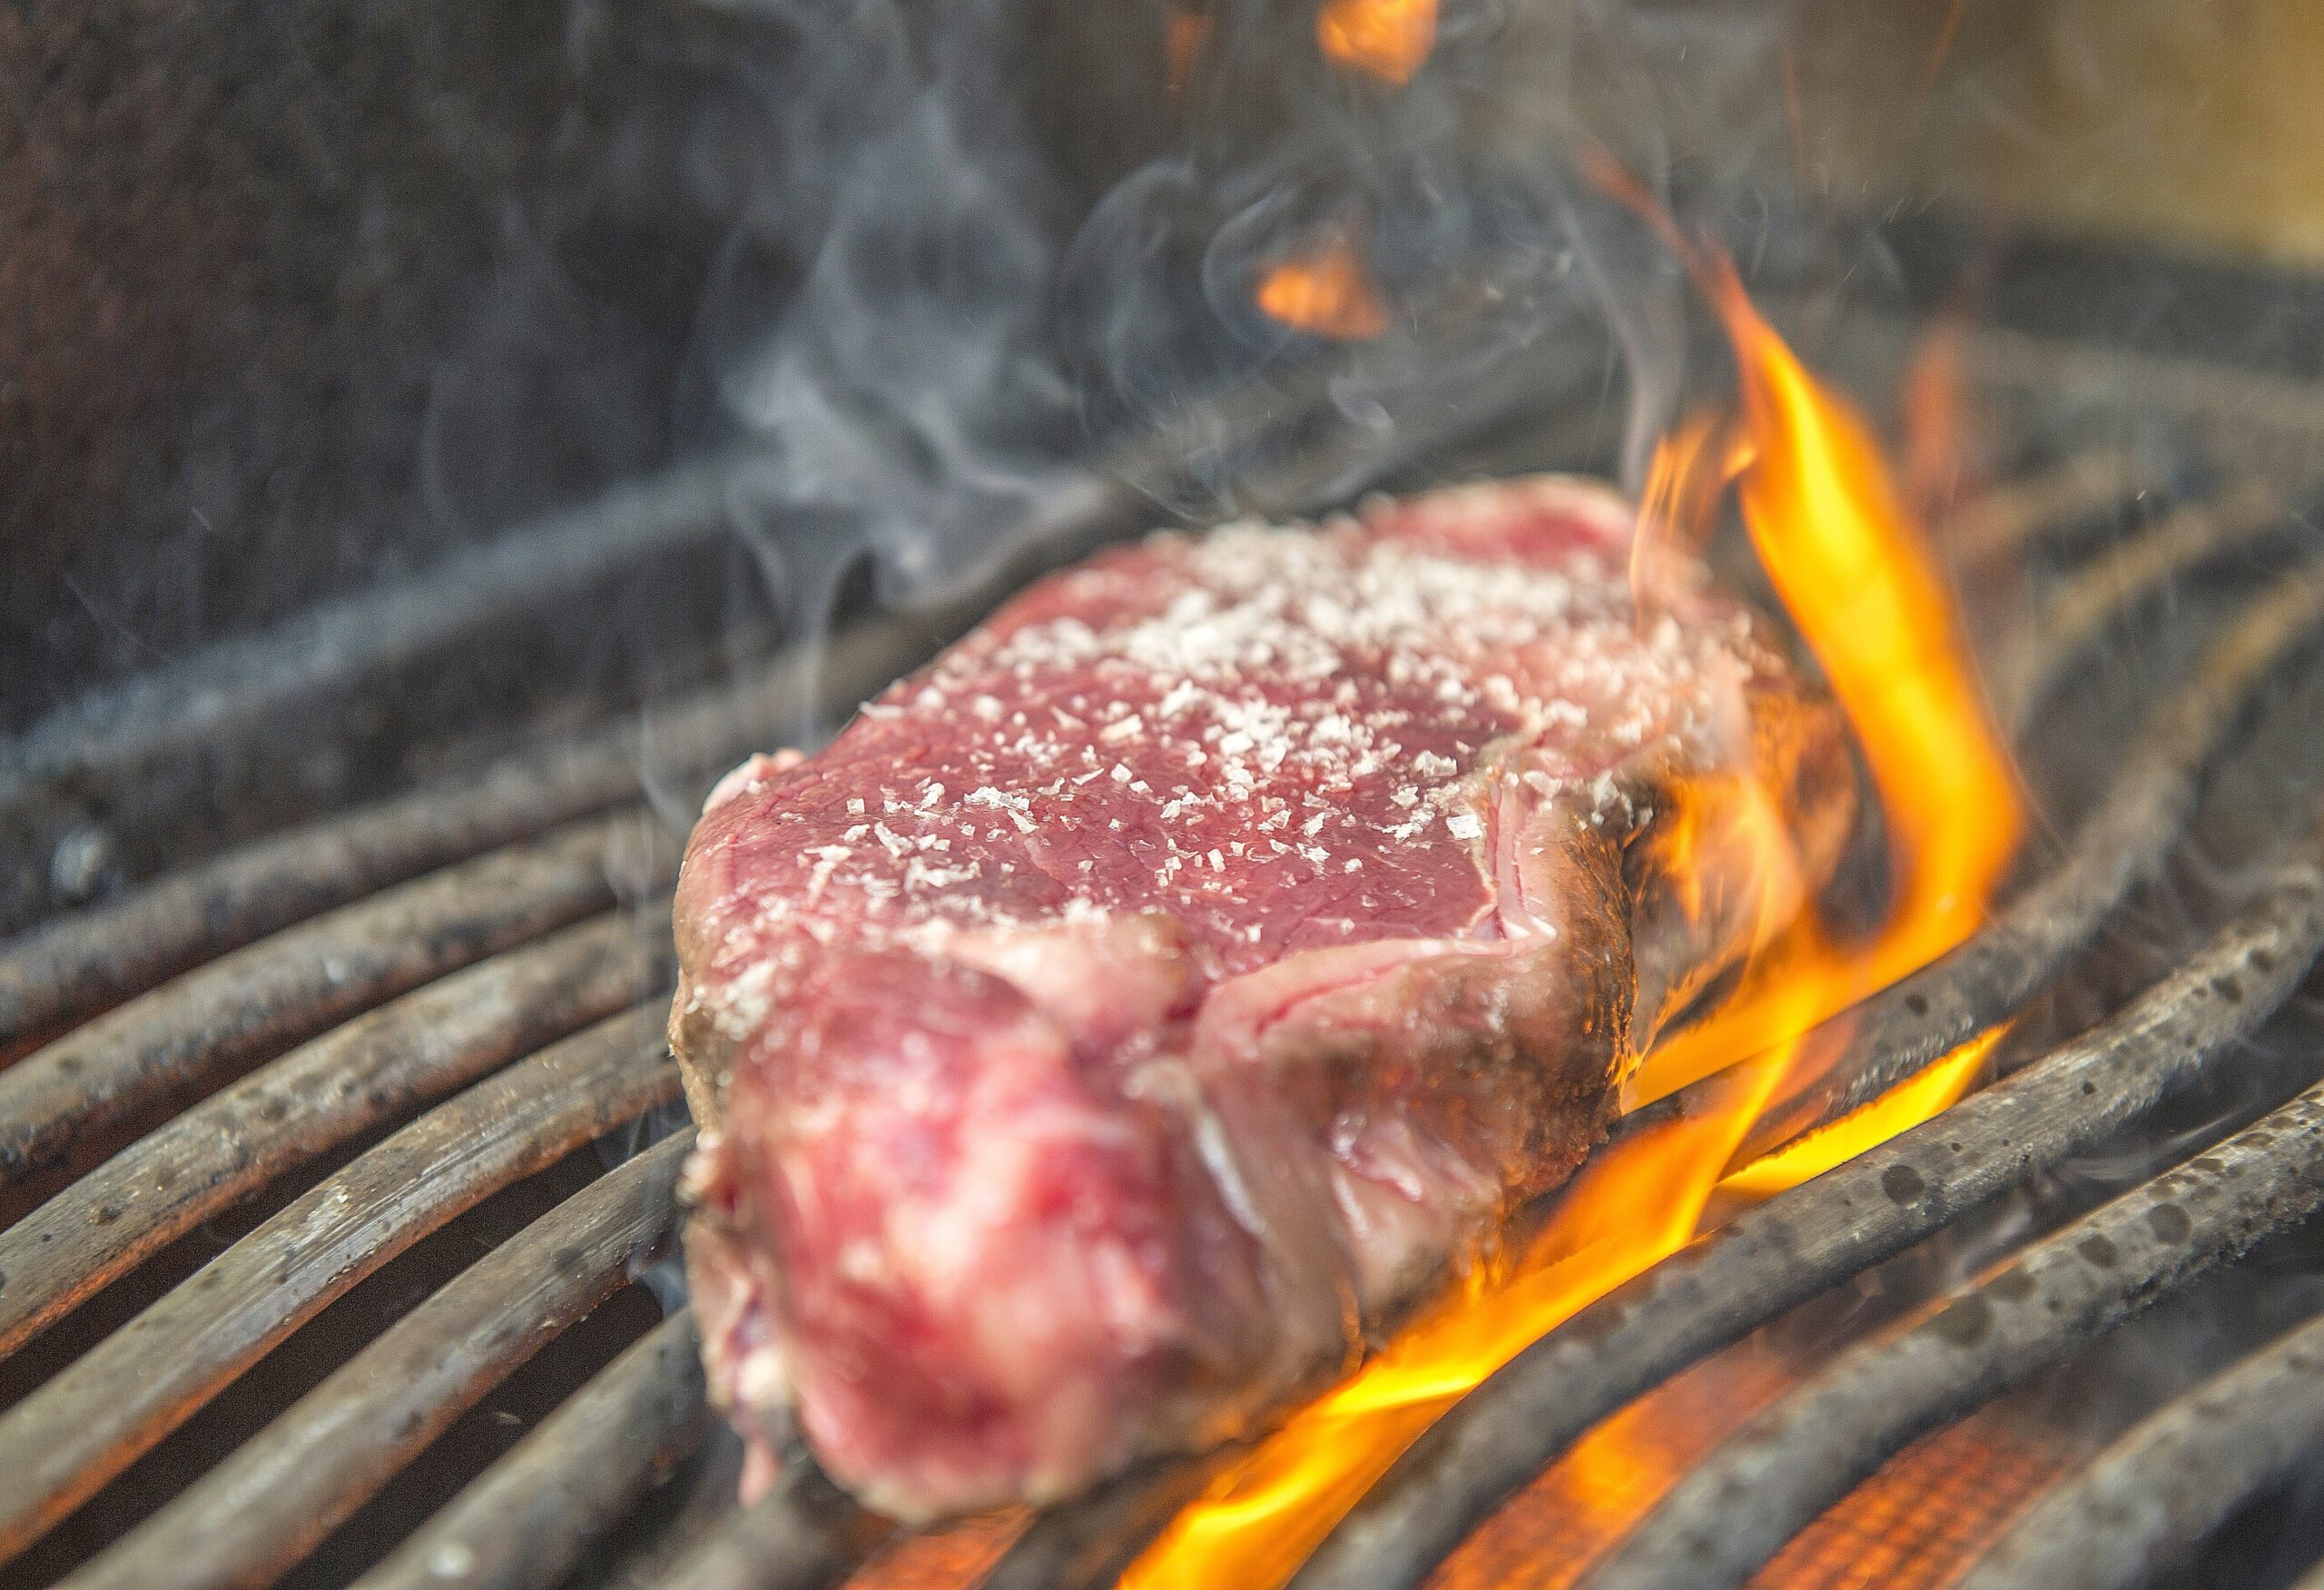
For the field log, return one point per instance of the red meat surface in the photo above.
(1124, 1015)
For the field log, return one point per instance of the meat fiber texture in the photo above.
(1126, 1014)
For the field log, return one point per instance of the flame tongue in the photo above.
(1386, 39)
(1326, 292)
(1833, 534)
(1830, 526)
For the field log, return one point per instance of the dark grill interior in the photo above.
(336, 1151)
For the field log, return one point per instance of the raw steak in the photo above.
(1124, 1015)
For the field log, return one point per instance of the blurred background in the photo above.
(304, 298)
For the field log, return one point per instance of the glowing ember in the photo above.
(1327, 292)
(1386, 39)
(1828, 524)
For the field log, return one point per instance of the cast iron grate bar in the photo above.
(1730, 1513)
(2171, 1482)
(215, 1023)
(271, 1501)
(524, 1522)
(110, 1405)
(409, 1052)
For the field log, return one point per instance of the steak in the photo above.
(1126, 1015)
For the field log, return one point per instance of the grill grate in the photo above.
(361, 1028)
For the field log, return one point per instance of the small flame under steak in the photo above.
(1125, 1015)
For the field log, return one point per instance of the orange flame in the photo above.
(1851, 567)
(1911, 1102)
(1386, 39)
(1184, 34)
(1326, 292)
(1830, 526)
(1691, 468)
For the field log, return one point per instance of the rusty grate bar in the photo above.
(408, 1051)
(113, 1403)
(2170, 1482)
(526, 1521)
(1732, 1512)
(273, 1500)
(212, 1023)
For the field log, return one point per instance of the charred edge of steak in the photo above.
(1696, 918)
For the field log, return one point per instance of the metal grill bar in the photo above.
(1729, 1515)
(272, 1501)
(803, 1535)
(1802, 1242)
(2073, 619)
(1091, 1541)
(212, 1022)
(81, 963)
(76, 966)
(113, 1403)
(2174, 1479)
(412, 1049)
(239, 692)
(524, 1522)
(2085, 484)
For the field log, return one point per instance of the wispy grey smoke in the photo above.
(933, 259)
(901, 391)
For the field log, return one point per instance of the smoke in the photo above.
(901, 393)
(928, 275)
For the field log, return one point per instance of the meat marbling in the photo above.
(1124, 1015)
